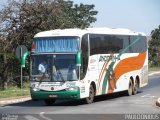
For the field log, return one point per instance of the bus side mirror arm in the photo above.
(23, 59)
(78, 58)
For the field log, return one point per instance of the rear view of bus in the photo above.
(80, 64)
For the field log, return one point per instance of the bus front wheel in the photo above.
(90, 99)
(49, 102)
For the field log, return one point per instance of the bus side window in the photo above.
(85, 54)
(140, 46)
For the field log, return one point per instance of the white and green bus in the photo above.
(81, 64)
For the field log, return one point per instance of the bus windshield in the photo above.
(52, 67)
(55, 45)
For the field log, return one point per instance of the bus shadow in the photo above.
(112, 96)
(40, 103)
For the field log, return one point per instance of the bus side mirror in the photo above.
(23, 59)
(78, 58)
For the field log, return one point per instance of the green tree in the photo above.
(154, 47)
(20, 20)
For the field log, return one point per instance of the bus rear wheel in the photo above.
(130, 89)
(135, 87)
(90, 99)
(49, 102)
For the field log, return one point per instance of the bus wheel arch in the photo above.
(138, 81)
(94, 87)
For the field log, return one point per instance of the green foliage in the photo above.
(14, 91)
(12, 64)
(154, 47)
(20, 20)
(26, 85)
(26, 18)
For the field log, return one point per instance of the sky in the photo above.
(136, 15)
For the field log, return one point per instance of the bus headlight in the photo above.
(33, 88)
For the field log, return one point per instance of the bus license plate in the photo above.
(52, 96)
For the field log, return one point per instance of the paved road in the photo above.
(143, 102)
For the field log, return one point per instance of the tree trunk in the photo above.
(5, 79)
(4, 74)
(4, 85)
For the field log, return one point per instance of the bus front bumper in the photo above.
(65, 94)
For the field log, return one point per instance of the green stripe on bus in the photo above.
(102, 71)
(106, 79)
(112, 64)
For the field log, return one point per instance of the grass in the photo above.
(154, 69)
(14, 92)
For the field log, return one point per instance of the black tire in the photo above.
(130, 89)
(135, 87)
(49, 102)
(158, 102)
(90, 99)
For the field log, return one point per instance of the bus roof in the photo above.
(80, 32)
